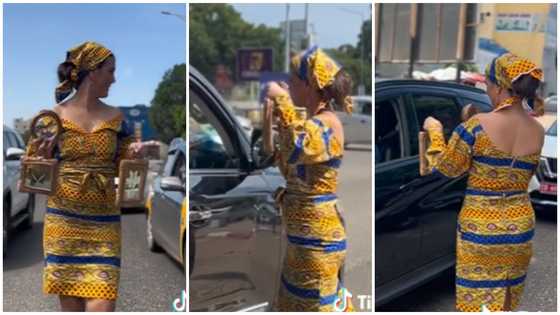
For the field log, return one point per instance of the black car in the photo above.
(415, 217)
(235, 235)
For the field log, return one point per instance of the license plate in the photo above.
(548, 188)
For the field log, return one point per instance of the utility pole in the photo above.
(415, 19)
(287, 48)
(461, 40)
(306, 27)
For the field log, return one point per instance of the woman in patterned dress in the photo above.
(500, 151)
(82, 236)
(309, 153)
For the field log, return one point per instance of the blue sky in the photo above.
(333, 23)
(145, 42)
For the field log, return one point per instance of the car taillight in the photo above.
(546, 170)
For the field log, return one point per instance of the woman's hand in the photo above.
(432, 124)
(45, 147)
(274, 89)
(137, 150)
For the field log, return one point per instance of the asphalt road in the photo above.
(149, 281)
(355, 192)
(540, 286)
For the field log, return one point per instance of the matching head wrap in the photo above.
(84, 57)
(316, 67)
(507, 68)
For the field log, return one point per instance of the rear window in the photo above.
(552, 130)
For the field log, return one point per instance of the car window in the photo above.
(209, 144)
(365, 108)
(179, 169)
(6, 142)
(443, 108)
(388, 133)
(552, 130)
(19, 141)
(12, 142)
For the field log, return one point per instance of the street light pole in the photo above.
(306, 26)
(287, 48)
(180, 16)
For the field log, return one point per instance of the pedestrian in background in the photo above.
(309, 153)
(500, 151)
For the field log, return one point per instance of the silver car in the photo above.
(542, 187)
(18, 207)
(357, 127)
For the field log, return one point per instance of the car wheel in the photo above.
(184, 249)
(152, 243)
(28, 223)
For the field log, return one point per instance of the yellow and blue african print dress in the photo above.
(82, 232)
(496, 223)
(309, 157)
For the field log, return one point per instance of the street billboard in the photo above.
(251, 62)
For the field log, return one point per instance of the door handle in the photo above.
(199, 216)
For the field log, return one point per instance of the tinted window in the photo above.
(443, 108)
(179, 169)
(388, 134)
(12, 142)
(209, 144)
(6, 142)
(365, 108)
(552, 130)
(19, 142)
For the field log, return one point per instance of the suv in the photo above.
(18, 207)
(235, 234)
(415, 217)
(542, 188)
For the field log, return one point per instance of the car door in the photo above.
(362, 120)
(168, 205)
(440, 206)
(357, 126)
(226, 199)
(397, 226)
(19, 200)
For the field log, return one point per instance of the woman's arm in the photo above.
(454, 158)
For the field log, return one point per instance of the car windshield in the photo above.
(552, 130)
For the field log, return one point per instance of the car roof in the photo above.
(361, 98)
(382, 83)
(177, 144)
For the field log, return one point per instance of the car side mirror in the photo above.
(14, 154)
(262, 160)
(172, 183)
(255, 136)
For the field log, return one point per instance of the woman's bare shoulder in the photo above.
(58, 108)
(111, 111)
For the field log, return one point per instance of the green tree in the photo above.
(168, 107)
(216, 31)
(350, 58)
